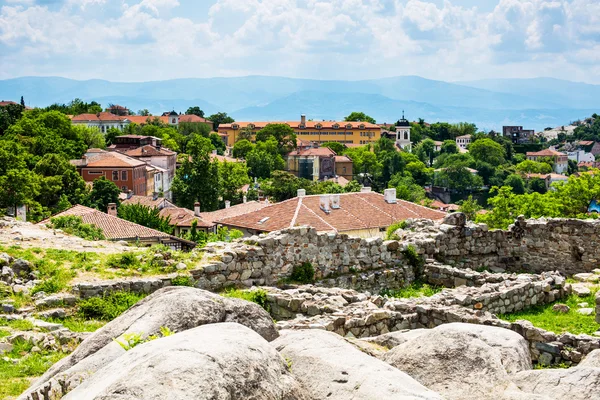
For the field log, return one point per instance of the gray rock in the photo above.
(561, 308)
(585, 311)
(591, 360)
(456, 219)
(181, 266)
(5, 347)
(8, 308)
(580, 383)
(330, 368)
(388, 340)
(54, 313)
(5, 259)
(581, 290)
(177, 308)
(217, 362)
(463, 361)
(21, 267)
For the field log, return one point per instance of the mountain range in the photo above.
(533, 103)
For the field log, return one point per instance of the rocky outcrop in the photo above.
(330, 368)
(176, 308)
(580, 383)
(592, 360)
(462, 361)
(212, 362)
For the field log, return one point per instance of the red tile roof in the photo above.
(149, 151)
(183, 217)
(342, 159)
(103, 116)
(233, 211)
(545, 153)
(319, 151)
(308, 124)
(357, 211)
(113, 228)
(109, 160)
(193, 118)
(340, 180)
(6, 103)
(148, 201)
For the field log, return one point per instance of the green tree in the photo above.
(217, 142)
(198, 179)
(449, 147)
(537, 185)
(234, 175)
(195, 110)
(533, 167)
(144, 112)
(18, 187)
(352, 187)
(282, 133)
(92, 137)
(9, 115)
(470, 207)
(407, 188)
(246, 133)
(103, 193)
(220, 118)
(335, 146)
(326, 187)
(111, 134)
(457, 177)
(146, 216)
(241, 148)
(283, 185)
(488, 151)
(356, 116)
(420, 173)
(516, 183)
(57, 178)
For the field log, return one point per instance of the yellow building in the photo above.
(312, 131)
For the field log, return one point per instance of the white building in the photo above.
(403, 134)
(463, 141)
(103, 121)
(581, 156)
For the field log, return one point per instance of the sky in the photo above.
(451, 40)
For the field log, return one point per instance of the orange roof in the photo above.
(340, 180)
(233, 211)
(586, 142)
(193, 118)
(147, 201)
(318, 151)
(342, 159)
(111, 159)
(102, 116)
(545, 153)
(148, 151)
(183, 217)
(308, 124)
(357, 211)
(6, 103)
(113, 228)
(143, 119)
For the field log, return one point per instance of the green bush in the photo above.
(73, 225)
(258, 296)
(108, 307)
(126, 260)
(413, 258)
(415, 289)
(390, 233)
(304, 273)
(183, 280)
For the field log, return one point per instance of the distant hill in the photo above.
(533, 103)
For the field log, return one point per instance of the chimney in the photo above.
(227, 203)
(197, 209)
(335, 201)
(301, 192)
(245, 199)
(84, 159)
(129, 194)
(112, 209)
(214, 152)
(390, 196)
(324, 203)
(303, 119)
(365, 189)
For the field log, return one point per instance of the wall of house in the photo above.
(354, 136)
(344, 169)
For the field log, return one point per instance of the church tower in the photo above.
(403, 133)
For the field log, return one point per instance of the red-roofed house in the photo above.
(126, 172)
(365, 214)
(103, 121)
(561, 160)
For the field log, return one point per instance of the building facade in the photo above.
(463, 141)
(561, 160)
(360, 133)
(517, 134)
(103, 121)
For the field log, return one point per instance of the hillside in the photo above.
(534, 103)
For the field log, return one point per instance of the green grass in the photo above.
(18, 324)
(415, 289)
(543, 317)
(258, 296)
(12, 387)
(78, 324)
(4, 333)
(108, 307)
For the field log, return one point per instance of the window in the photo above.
(348, 126)
(251, 126)
(336, 126)
(344, 170)
(115, 175)
(405, 135)
(124, 188)
(174, 120)
(123, 175)
(157, 177)
(361, 126)
(318, 126)
(236, 126)
(95, 173)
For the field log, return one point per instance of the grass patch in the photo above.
(78, 324)
(303, 273)
(12, 387)
(390, 233)
(183, 280)
(415, 289)
(55, 277)
(4, 333)
(258, 296)
(108, 307)
(18, 324)
(542, 316)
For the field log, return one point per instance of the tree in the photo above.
(92, 137)
(241, 148)
(234, 175)
(356, 116)
(537, 185)
(220, 118)
(470, 207)
(407, 188)
(103, 193)
(263, 163)
(9, 115)
(352, 187)
(195, 111)
(144, 112)
(246, 133)
(326, 187)
(335, 146)
(284, 185)
(533, 167)
(487, 150)
(516, 183)
(18, 187)
(146, 216)
(22, 102)
(282, 133)
(58, 178)
(449, 147)
(420, 173)
(217, 142)
(198, 178)
(458, 177)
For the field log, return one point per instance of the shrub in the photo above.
(73, 225)
(108, 307)
(304, 273)
(183, 280)
(390, 234)
(258, 296)
(125, 260)
(134, 339)
(415, 289)
(413, 258)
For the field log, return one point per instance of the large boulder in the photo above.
(330, 368)
(463, 361)
(591, 360)
(177, 308)
(218, 362)
(579, 383)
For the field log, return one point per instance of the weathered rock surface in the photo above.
(591, 360)
(580, 383)
(177, 308)
(330, 368)
(217, 361)
(463, 361)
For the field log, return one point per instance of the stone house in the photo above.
(561, 160)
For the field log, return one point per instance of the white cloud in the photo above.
(156, 39)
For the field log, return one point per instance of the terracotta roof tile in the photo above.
(357, 211)
(112, 159)
(233, 211)
(545, 153)
(193, 118)
(319, 151)
(149, 151)
(183, 217)
(148, 201)
(309, 124)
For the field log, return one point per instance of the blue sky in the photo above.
(140, 40)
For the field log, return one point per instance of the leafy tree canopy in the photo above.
(357, 116)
